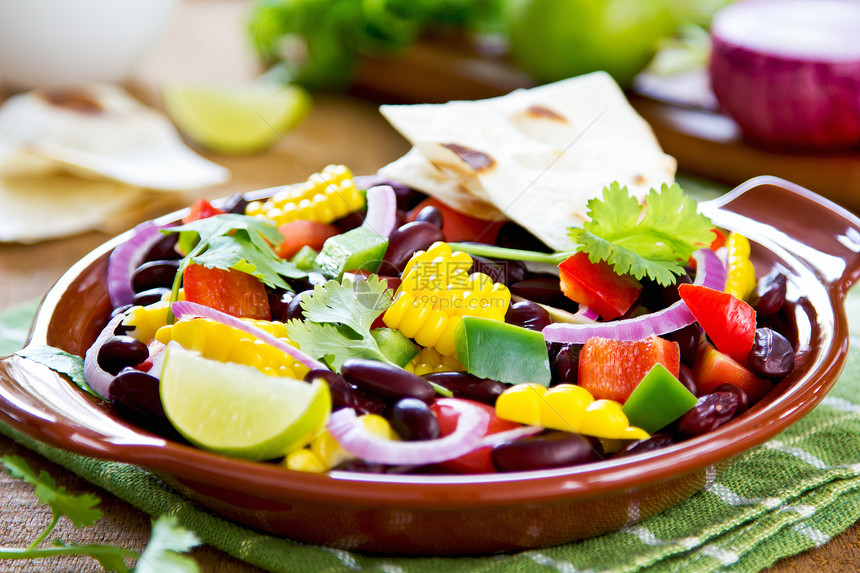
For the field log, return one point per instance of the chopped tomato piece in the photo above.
(230, 291)
(598, 286)
(201, 209)
(476, 461)
(727, 320)
(720, 237)
(612, 368)
(457, 226)
(713, 368)
(303, 233)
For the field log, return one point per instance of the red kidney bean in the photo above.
(345, 395)
(685, 376)
(150, 296)
(350, 221)
(164, 249)
(513, 236)
(565, 364)
(279, 303)
(137, 391)
(432, 215)
(527, 314)
(468, 386)
(743, 399)
(413, 420)
(386, 380)
(235, 203)
(769, 295)
(549, 450)
(499, 270)
(154, 274)
(688, 342)
(771, 355)
(121, 351)
(404, 241)
(294, 308)
(710, 412)
(655, 442)
(545, 289)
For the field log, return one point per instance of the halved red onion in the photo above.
(125, 258)
(788, 71)
(381, 209)
(711, 272)
(186, 309)
(345, 427)
(98, 379)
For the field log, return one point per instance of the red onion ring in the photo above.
(125, 258)
(345, 427)
(711, 272)
(381, 209)
(185, 309)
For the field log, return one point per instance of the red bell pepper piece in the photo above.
(713, 368)
(598, 286)
(201, 209)
(303, 233)
(727, 320)
(457, 226)
(231, 291)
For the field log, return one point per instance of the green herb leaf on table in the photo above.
(338, 318)
(165, 548)
(59, 361)
(654, 240)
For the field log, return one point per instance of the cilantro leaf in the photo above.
(80, 509)
(654, 241)
(338, 317)
(59, 361)
(163, 552)
(353, 304)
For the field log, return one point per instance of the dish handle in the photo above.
(823, 234)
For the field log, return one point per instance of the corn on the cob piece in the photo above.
(437, 291)
(741, 274)
(324, 197)
(218, 341)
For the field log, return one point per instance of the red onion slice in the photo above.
(125, 258)
(381, 209)
(472, 424)
(711, 272)
(98, 379)
(185, 309)
(509, 435)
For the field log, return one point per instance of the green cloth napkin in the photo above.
(793, 493)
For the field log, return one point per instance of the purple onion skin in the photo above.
(785, 97)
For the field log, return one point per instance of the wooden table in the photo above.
(206, 41)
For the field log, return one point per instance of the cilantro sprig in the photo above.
(338, 317)
(163, 554)
(653, 240)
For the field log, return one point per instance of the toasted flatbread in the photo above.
(535, 155)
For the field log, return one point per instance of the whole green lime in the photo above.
(557, 39)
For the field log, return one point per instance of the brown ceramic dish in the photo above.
(814, 242)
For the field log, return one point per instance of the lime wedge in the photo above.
(237, 410)
(238, 118)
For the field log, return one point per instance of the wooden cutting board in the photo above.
(705, 142)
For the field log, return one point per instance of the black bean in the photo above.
(565, 364)
(550, 450)
(404, 241)
(432, 215)
(350, 221)
(150, 296)
(743, 399)
(121, 351)
(769, 295)
(512, 236)
(413, 420)
(527, 314)
(499, 270)
(279, 303)
(545, 289)
(164, 249)
(710, 412)
(137, 391)
(345, 395)
(235, 203)
(688, 342)
(385, 380)
(294, 308)
(407, 197)
(771, 355)
(468, 386)
(154, 274)
(655, 442)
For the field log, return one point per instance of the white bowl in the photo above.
(50, 43)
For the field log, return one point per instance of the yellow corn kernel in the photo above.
(146, 320)
(324, 197)
(437, 291)
(218, 341)
(741, 274)
(304, 460)
(429, 360)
